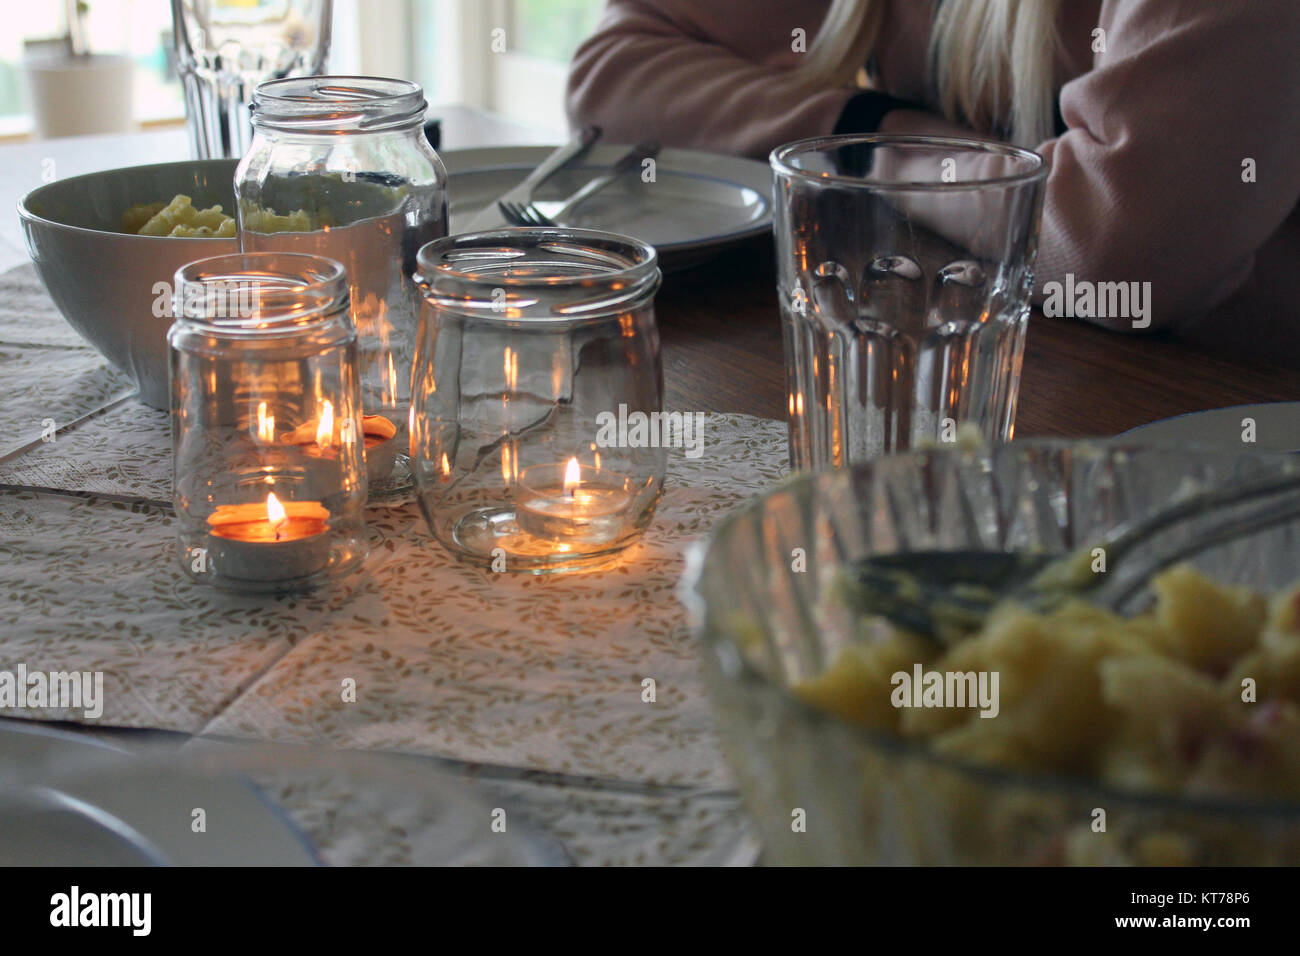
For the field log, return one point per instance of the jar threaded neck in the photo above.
(337, 104)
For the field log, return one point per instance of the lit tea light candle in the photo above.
(323, 438)
(572, 502)
(269, 541)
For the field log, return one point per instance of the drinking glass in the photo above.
(535, 347)
(904, 270)
(225, 48)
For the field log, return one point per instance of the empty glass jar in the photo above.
(339, 166)
(537, 382)
(267, 433)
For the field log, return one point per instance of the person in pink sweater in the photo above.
(1172, 126)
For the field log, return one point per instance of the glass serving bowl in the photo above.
(869, 797)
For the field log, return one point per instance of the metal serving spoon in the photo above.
(946, 595)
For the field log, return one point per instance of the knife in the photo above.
(576, 148)
(629, 161)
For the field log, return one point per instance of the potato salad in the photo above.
(1200, 695)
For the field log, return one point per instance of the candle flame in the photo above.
(572, 476)
(265, 424)
(325, 429)
(275, 511)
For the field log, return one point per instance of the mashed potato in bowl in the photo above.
(180, 219)
(1198, 697)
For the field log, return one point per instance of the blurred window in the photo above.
(444, 44)
(139, 28)
(507, 56)
(552, 29)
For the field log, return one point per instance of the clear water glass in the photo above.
(225, 48)
(905, 266)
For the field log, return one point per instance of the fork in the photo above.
(582, 142)
(527, 214)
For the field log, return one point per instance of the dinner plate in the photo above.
(697, 204)
(1276, 428)
(80, 805)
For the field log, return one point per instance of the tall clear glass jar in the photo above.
(537, 434)
(269, 483)
(339, 166)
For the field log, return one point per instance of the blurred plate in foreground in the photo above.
(67, 799)
(70, 800)
(1276, 428)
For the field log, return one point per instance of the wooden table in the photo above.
(721, 332)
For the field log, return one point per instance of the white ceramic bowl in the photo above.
(107, 283)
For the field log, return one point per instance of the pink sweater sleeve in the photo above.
(1146, 185)
(708, 75)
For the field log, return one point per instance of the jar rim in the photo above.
(601, 272)
(260, 293)
(337, 104)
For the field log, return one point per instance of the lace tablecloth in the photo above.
(536, 673)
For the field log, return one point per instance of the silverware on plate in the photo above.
(529, 213)
(491, 217)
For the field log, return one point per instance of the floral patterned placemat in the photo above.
(542, 673)
(51, 377)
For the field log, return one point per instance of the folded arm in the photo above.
(710, 75)
(1147, 184)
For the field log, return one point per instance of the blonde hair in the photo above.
(992, 61)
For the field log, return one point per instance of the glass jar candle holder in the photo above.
(534, 344)
(269, 481)
(339, 166)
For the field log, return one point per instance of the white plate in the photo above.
(698, 204)
(1277, 428)
(88, 812)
